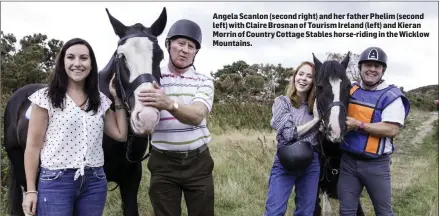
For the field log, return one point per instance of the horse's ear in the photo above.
(345, 61)
(118, 27)
(159, 25)
(317, 62)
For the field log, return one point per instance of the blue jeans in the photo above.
(280, 186)
(60, 195)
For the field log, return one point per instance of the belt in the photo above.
(363, 158)
(182, 154)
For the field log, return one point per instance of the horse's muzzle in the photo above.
(143, 121)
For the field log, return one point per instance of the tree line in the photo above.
(32, 58)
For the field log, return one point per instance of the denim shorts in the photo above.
(59, 194)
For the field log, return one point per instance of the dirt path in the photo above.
(403, 160)
(425, 128)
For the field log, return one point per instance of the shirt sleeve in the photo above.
(105, 102)
(205, 93)
(394, 112)
(282, 120)
(41, 99)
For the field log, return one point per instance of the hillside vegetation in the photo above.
(243, 142)
(422, 97)
(243, 159)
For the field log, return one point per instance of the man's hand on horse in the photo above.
(352, 123)
(155, 98)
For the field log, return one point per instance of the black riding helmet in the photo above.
(295, 155)
(373, 54)
(186, 29)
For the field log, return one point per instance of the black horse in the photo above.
(135, 64)
(332, 92)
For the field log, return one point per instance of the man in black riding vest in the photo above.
(180, 160)
(376, 112)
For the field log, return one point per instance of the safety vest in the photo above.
(367, 106)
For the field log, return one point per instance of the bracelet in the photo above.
(360, 127)
(27, 192)
(119, 106)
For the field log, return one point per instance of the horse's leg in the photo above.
(129, 187)
(16, 182)
(318, 208)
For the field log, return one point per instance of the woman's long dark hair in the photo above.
(59, 79)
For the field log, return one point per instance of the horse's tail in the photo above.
(117, 185)
(15, 195)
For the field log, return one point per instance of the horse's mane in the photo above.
(331, 69)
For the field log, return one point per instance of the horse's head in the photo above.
(332, 92)
(136, 64)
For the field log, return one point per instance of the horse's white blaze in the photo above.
(335, 132)
(138, 52)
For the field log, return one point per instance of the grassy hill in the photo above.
(243, 147)
(423, 97)
(243, 159)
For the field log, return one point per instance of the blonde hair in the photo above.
(291, 91)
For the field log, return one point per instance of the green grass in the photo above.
(421, 197)
(243, 158)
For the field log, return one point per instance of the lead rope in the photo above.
(129, 148)
(326, 160)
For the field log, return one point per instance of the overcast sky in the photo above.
(413, 62)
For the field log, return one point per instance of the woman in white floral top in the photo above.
(66, 127)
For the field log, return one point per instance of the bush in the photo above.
(240, 116)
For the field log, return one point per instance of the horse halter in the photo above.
(325, 112)
(128, 89)
(327, 160)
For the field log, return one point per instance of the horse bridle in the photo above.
(322, 122)
(128, 90)
(336, 103)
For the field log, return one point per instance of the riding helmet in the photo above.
(186, 28)
(373, 54)
(295, 155)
